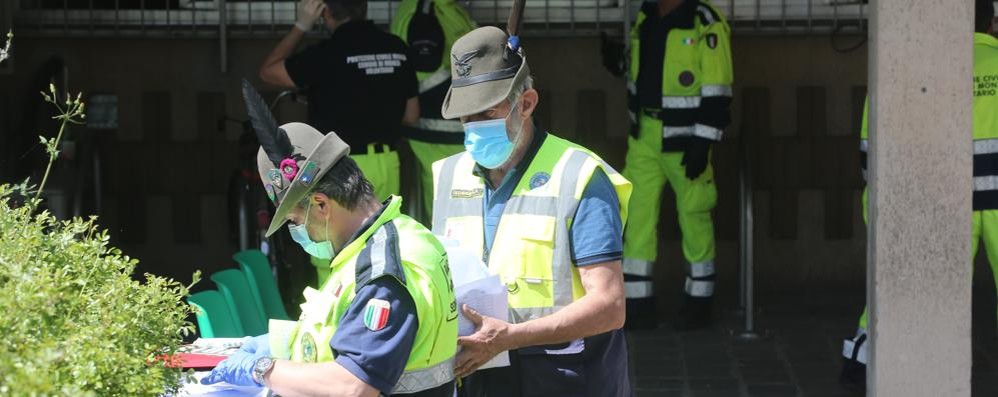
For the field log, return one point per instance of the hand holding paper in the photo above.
(482, 346)
(484, 294)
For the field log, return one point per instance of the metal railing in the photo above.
(185, 18)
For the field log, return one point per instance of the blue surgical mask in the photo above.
(487, 141)
(299, 234)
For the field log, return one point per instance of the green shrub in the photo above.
(74, 321)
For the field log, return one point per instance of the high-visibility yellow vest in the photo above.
(455, 22)
(985, 125)
(697, 65)
(394, 246)
(531, 251)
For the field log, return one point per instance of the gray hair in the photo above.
(517, 91)
(345, 184)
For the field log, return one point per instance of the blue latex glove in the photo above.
(257, 344)
(237, 369)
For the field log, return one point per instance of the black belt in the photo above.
(372, 148)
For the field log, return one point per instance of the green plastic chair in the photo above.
(245, 304)
(261, 281)
(214, 316)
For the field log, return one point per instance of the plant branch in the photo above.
(73, 113)
(5, 51)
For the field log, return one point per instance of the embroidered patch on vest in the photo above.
(466, 193)
(712, 41)
(309, 354)
(376, 314)
(539, 179)
(689, 41)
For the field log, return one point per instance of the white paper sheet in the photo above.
(488, 297)
(473, 286)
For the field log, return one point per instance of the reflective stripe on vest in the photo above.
(672, 132)
(425, 378)
(680, 102)
(439, 77)
(716, 90)
(706, 131)
(534, 261)
(700, 130)
(440, 125)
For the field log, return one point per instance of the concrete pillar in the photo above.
(919, 277)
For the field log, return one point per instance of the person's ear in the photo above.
(528, 103)
(321, 202)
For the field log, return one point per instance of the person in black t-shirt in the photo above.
(359, 84)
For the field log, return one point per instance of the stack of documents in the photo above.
(475, 287)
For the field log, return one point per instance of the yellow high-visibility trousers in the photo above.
(649, 170)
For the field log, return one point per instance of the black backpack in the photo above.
(426, 38)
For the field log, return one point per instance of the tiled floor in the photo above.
(800, 355)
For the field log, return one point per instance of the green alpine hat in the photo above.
(292, 157)
(484, 70)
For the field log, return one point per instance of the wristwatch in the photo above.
(262, 366)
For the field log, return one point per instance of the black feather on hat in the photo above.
(273, 139)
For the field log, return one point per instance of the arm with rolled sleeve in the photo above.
(367, 362)
(596, 246)
(714, 113)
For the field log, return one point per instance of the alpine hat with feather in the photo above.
(486, 65)
(293, 157)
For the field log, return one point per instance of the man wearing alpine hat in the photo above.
(385, 321)
(547, 216)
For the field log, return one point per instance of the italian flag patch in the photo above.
(376, 314)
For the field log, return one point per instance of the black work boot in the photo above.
(853, 376)
(694, 313)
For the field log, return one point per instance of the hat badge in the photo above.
(289, 168)
(462, 64)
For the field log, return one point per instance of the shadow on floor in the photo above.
(800, 355)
